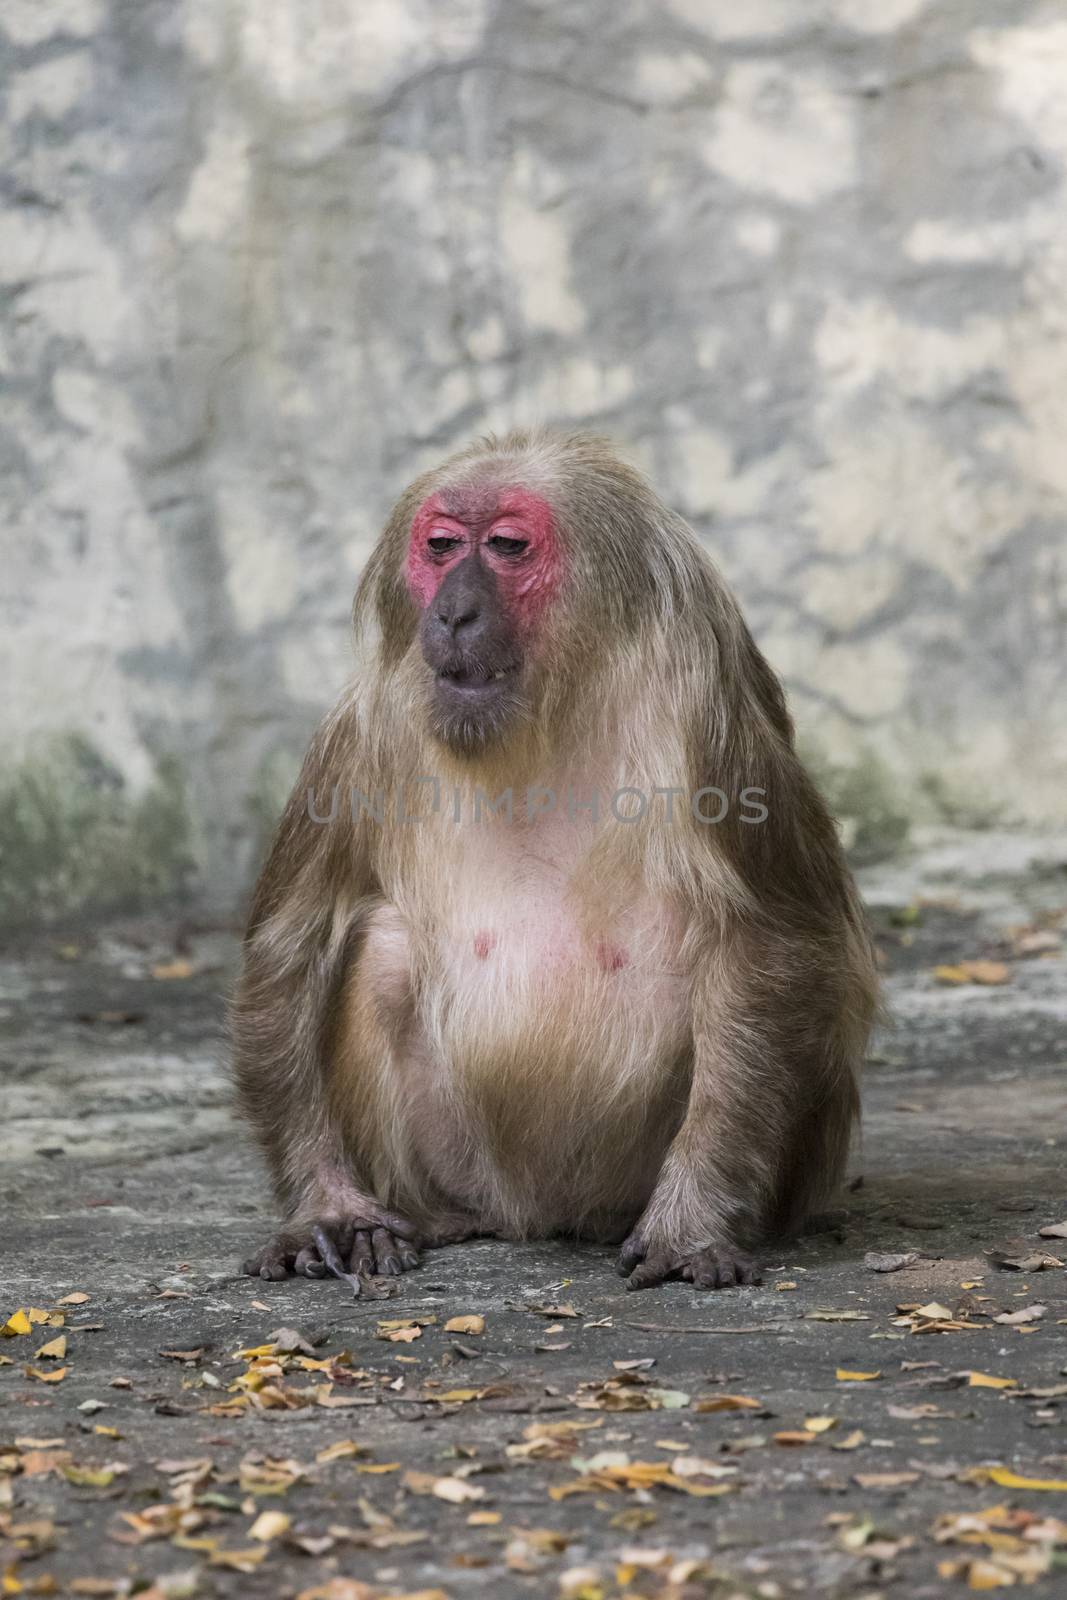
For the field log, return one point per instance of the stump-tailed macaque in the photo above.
(556, 936)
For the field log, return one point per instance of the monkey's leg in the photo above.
(328, 1143)
(766, 1129)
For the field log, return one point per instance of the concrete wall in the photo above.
(262, 259)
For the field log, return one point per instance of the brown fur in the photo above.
(704, 1096)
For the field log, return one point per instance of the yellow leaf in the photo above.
(985, 972)
(270, 1525)
(1007, 1479)
(54, 1350)
(340, 1451)
(483, 1519)
(987, 1575)
(727, 1402)
(46, 1377)
(845, 1376)
(36, 1314)
(934, 1312)
(88, 1477)
(378, 1466)
(238, 1560)
(179, 968)
(18, 1322)
(985, 1380)
(465, 1325)
(457, 1396)
(109, 1433)
(820, 1424)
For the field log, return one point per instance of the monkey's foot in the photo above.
(723, 1267)
(349, 1247)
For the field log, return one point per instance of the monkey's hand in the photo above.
(350, 1247)
(645, 1262)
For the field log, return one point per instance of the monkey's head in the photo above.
(483, 567)
(508, 576)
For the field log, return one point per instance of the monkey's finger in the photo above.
(386, 1258)
(649, 1274)
(308, 1263)
(705, 1271)
(409, 1256)
(361, 1259)
(630, 1254)
(271, 1263)
(334, 1263)
(329, 1252)
(398, 1225)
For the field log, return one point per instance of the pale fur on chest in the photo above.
(531, 999)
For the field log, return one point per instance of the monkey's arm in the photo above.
(771, 1104)
(313, 896)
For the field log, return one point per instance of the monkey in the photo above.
(462, 1017)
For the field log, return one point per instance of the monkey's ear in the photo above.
(382, 598)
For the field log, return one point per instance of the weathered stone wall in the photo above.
(260, 259)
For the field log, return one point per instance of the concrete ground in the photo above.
(586, 1441)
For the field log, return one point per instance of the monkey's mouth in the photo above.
(473, 681)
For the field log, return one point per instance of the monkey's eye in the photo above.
(441, 543)
(505, 546)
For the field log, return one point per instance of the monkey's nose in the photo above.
(458, 615)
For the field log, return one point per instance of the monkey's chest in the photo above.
(557, 1057)
(523, 960)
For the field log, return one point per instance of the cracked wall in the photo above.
(805, 259)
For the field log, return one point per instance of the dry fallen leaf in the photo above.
(1004, 1478)
(54, 1350)
(456, 1490)
(1015, 1319)
(727, 1402)
(1018, 1255)
(844, 1375)
(471, 1324)
(340, 1589)
(55, 1376)
(270, 1525)
(237, 1560)
(178, 968)
(986, 1380)
(933, 1311)
(984, 972)
(75, 1299)
(340, 1450)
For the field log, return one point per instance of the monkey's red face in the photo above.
(483, 567)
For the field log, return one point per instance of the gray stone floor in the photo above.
(124, 1178)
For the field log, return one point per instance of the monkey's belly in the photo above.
(545, 1073)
